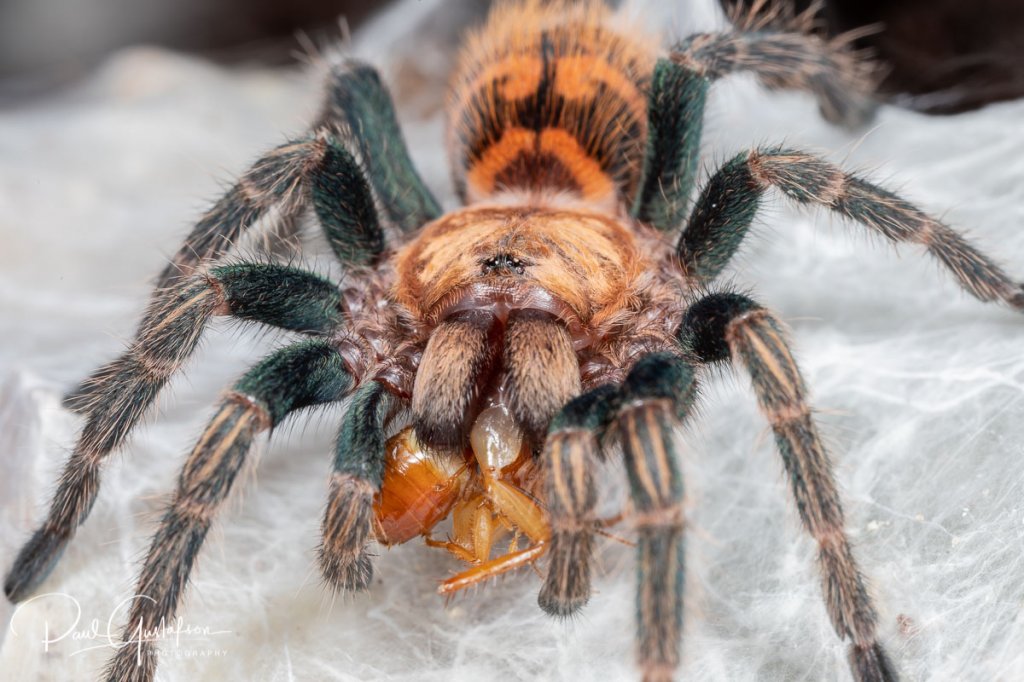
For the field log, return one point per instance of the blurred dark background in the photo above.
(47, 43)
(948, 55)
(942, 55)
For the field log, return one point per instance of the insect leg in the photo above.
(721, 327)
(518, 512)
(304, 374)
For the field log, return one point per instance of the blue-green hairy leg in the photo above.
(729, 202)
(725, 327)
(121, 392)
(655, 397)
(570, 457)
(675, 120)
(345, 207)
(358, 98)
(720, 220)
(302, 375)
(781, 56)
(358, 472)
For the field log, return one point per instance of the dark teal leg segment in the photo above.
(305, 374)
(344, 204)
(358, 473)
(592, 411)
(358, 98)
(571, 454)
(674, 125)
(656, 395)
(720, 220)
(280, 296)
(360, 447)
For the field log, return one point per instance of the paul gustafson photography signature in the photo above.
(97, 634)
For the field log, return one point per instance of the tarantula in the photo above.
(559, 316)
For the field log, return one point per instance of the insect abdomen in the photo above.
(549, 100)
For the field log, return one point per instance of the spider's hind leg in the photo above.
(784, 54)
(783, 57)
(721, 327)
(358, 99)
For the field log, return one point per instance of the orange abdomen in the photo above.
(550, 99)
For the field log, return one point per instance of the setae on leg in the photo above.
(729, 202)
(305, 374)
(570, 455)
(358, 472)
(656, 395)
(784, 57)
(170, 331)
(723, 327)
(358, 100)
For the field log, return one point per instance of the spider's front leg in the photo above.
(298, 376)
(730, 200)
(723, 327)
(571, 454)
(656, 396)
(644, 413)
